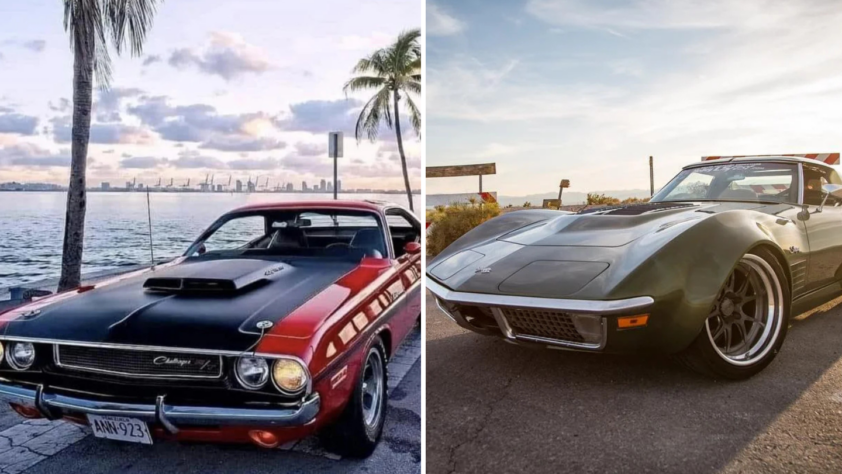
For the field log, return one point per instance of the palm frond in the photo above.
(412, 86)
(414, 115)
(360, 83)
(132, 17)
(375, 110)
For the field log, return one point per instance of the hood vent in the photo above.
(222, 276)
(189, 285)
(635, 209)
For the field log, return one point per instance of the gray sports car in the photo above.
(710, 269)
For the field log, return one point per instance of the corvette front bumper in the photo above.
(55, 406)
(547, 321)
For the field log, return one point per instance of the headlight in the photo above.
(21, 355)
(589, 326)
(252, 372)
(289, 376)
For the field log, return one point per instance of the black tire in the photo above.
(351, 435)
(705, 354)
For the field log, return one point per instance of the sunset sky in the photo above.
(586, 90)
(246, 88)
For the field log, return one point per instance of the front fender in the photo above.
(689, 267)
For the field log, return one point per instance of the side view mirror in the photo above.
(412, 248)
(202, 249)
(830, 189)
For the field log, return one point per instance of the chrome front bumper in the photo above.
(54, 406)
(495, 302)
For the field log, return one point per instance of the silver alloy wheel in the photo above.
(372, 388)
(747, 316)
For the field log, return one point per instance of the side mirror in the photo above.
(828, 190)
(412, 248)
(202, 249)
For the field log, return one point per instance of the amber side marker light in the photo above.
(629, 322)
(26, 412)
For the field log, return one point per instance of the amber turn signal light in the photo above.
(628, 322)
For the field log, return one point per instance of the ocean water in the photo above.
(116, 230)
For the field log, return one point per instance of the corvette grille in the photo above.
(542, 323)
(138, 363)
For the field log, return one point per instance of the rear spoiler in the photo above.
(827, 158)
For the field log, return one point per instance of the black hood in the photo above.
(200, 304)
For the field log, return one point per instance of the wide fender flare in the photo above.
(685, 274)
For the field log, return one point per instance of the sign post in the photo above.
(651, 178)
(565, 183)
(334, 150)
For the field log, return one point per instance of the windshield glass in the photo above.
(752, 182)
(311, 233)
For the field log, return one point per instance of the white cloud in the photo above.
(440, 23)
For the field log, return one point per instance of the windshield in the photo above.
(752, 182)
(311, 233)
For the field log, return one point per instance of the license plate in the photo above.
(120, 428)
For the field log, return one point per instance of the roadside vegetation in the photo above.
(95, 27)
(448, 223)
(394, 73)
(595, 199)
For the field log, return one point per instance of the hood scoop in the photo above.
(635, 209)
(226, 276)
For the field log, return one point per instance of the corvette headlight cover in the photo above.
(289, 376)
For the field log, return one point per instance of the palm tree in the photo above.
(93, 26)
(390, 71)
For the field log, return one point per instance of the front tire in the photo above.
(360, 426)
(748, 322)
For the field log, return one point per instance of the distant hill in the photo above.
(570, 197)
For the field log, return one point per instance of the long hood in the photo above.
(201, 304)
(564, 255)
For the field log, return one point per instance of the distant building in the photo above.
(205, 187)
(322, 186)
(219, 188)
(105, 186)
(330, 186)
(289, 187)
(239, 186)
(304, 186)
(129, 185)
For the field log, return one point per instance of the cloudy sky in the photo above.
(587, 90)
(242, 88)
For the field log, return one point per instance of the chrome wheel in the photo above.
(373, 387)
(746, 318)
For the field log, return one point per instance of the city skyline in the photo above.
(218, 96)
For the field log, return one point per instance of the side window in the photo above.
(403, 229)
(236, 233)
(814, 179)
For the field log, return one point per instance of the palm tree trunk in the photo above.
(74, 223)
(397, 97)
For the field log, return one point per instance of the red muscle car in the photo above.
(277, 323)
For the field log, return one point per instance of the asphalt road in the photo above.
(399, 451)
(495, 407)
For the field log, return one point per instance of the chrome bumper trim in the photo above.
(603, 307)
(170, 416)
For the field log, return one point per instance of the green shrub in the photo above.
(601, 199)
(453, 221)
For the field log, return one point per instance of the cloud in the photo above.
(254, 164)
(11, 122)
(109, 102)
(440, 23)
(142, 162)
(228, 56)
(36, 45)
(321, 116)
(103, 133)
(311, 149)
(152, 59)
(62, 106)
(202, 123)
(193, 160)
(30, 155)
(242, 143)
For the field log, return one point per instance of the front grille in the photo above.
(542, 323)
(138, 363)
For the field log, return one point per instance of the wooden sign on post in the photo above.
(334, 151)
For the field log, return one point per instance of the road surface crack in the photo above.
(483, 423)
